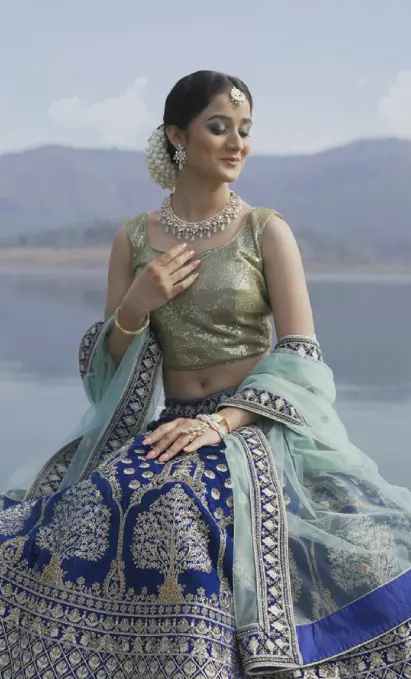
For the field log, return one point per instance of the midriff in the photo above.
(192, 384)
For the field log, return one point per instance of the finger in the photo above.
(168, 256)
(184, 271)
(176, 448)
(176, 263)
(206, 439)
(164, 443)
(183, 285)
(158, 433)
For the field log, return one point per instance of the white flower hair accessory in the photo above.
(160, 166)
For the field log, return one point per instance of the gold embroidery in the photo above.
(171, 538)
(79, 528)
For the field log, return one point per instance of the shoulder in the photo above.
(278, 240)
(133, 226)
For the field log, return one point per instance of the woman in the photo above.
(240, 534)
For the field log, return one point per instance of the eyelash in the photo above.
(217, 130)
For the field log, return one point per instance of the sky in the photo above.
(95, 73)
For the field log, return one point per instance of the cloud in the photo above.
(123, 120)
(394, 108)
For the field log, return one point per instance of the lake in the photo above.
(363, 324)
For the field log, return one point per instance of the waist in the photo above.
(197, 384)
(190, 408)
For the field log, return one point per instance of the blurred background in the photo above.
(82, 87)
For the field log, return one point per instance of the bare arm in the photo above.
(120, 278)
(286, 284)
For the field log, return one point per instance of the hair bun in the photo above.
(158, 162)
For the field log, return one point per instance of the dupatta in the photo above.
(322, 544)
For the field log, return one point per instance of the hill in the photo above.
(354, 199)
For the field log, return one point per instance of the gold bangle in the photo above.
(128, 332)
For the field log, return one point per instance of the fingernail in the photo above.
(148, 439)
(163, 458)
(184, 245)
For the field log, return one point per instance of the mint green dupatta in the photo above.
(122, 403)
(318, 534)
(317, 531)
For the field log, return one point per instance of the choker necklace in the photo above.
(205, 228)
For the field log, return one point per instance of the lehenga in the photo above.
(280, 552)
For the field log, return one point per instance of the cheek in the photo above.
(208, 145)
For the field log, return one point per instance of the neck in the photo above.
(194, 200)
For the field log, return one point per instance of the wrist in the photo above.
(237, 417)
(130, 320)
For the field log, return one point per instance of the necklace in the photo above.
(205, 228)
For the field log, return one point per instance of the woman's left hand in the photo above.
(168, 440)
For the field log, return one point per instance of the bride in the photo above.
(240, 533)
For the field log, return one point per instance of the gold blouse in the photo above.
(224, 315)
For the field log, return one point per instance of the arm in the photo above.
(120, 278)
(288, 295)
(286, 284)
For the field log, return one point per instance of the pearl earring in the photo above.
(180, 156)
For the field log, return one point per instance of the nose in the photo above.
(234, 141)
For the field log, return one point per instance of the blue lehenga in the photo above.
(280, 552)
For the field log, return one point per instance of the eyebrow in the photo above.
(224, 117)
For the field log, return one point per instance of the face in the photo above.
(217, 142)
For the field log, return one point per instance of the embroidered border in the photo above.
(51, 475)
(306, 347)
(265, 403)
(87, 345)
(272, 642)
(129, 415)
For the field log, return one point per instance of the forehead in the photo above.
(221, 104)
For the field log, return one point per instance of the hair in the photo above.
(192, 94)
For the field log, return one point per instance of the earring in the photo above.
(180, 156)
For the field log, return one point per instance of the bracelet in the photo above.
(214, 421)
(129, 332)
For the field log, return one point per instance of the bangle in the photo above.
(129, 332)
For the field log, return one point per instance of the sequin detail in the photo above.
(223, 316)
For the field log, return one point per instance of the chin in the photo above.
(229, 176)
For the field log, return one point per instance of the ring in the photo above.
(193, 432)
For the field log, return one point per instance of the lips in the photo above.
(232, 161)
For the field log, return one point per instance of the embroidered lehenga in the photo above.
(279, 552)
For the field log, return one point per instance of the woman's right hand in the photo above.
(161, 280)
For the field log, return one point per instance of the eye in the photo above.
(244, 133)
(217, 128)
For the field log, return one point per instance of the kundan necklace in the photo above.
(205, 228)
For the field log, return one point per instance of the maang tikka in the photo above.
(236, 96)
(180, 156)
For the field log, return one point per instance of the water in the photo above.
(364, 326)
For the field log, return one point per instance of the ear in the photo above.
(175, 136)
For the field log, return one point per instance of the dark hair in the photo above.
(192, 94)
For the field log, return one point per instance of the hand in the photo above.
(169, 440)
(162, 280)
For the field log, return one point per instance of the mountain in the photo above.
(357, 196)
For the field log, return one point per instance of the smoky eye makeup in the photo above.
(217, 127)
(221, 127)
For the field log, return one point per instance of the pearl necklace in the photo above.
(193, 230)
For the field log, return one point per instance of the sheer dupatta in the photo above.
(321, 541)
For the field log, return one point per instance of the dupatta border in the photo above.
(272, 642)
(267, 404)
(52, 473)
(125, 423)
(128, 417)
(87, 346)
(304, 346)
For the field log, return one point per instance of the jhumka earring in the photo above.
(180, 156)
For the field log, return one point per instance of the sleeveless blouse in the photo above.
(223, 316)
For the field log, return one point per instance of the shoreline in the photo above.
(42, 260)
